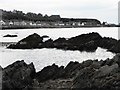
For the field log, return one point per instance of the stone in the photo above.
(18, 75)
(49, 72)
(116, 47)
(30, 42)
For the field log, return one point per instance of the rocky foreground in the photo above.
(90, 75)
(85, 42)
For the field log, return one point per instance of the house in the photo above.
(16, 23)
(2, 22)
(23, 23)
(11, 23)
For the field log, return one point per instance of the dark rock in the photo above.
(72, 69)
(105, 76)
(87, 63)
(45, 36)
(107, 43)
(95, 64)
(18, 75)
(85, 42)
(90, 74)
(116, 48)
(85, 38)
(60, 43)
(50, 72)
(8, 35)
(116, 59)
(32, 41)
(89, 46)
(47, 44)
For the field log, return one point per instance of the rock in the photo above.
(8, 35)
(45, 36)
(84, 38)
(115, 48)
(83, 79)
(72, 69)
(18, 75)
(107, 42)
(105, 70)
(50, 72)
(60, 43)
(47, 44)
(30, 42)
(89, 46)
(106, 75)
(85, 42)
(116, 59)
(87, 63)
(91, 74)
(95, 64)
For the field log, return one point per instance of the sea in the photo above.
(44, 57)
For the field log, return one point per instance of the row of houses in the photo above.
(45, 23)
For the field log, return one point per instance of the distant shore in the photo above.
(33, 27)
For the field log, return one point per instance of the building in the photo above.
(2, 22)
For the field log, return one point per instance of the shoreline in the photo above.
(91, 74)
(35, 27)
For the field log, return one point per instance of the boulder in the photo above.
(116, 48)
(45, 36)
(85, 38)
(99, 75)
(8, 35)
(87, 63)
(50, 72)
(72, 69)
(107, 42)
(105, 70)
(30, 42)
(18, 75)
(60, 43)
(47, 44)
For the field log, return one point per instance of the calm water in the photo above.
(44, 57)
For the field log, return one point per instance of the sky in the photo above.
(103, 10)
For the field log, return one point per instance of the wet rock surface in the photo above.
(90, 74)
(85, 42)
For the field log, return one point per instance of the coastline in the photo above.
(35, 27)
(90, 74)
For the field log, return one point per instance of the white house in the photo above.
(11, 23)
(2, 22)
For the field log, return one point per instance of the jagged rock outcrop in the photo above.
(50, 72)
(85, 42)
(107, 42)
(18, 76)
(105, 77)
(90, 74)
(30, 42)
(116, 48)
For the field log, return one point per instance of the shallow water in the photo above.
(45, 57)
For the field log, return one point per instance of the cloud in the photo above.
(67, 8)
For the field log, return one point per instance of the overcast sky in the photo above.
(104, 10)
